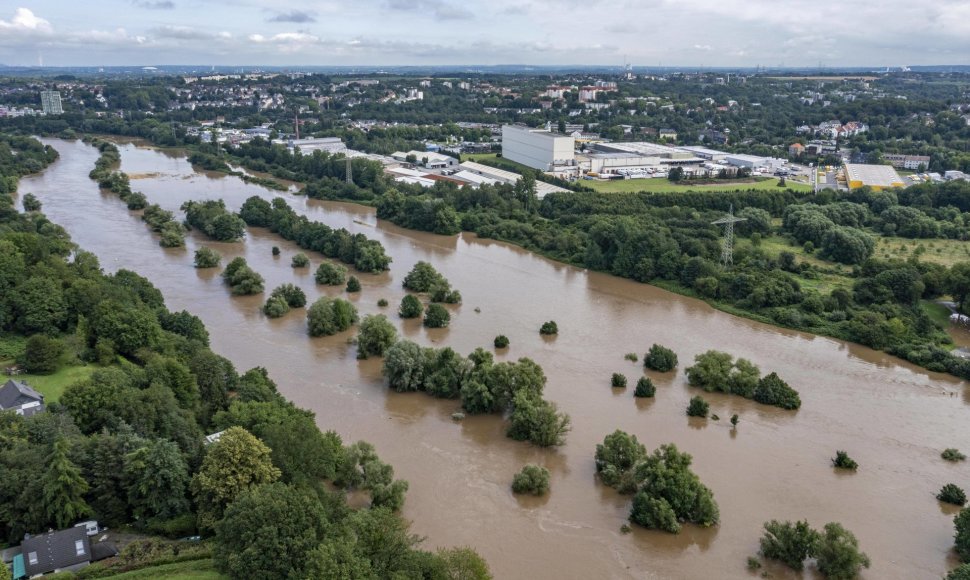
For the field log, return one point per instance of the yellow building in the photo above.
(875, 176)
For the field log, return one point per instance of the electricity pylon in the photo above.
(727, 243)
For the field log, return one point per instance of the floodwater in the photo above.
(893, 418)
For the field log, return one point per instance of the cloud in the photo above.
(704, 47)
(154, 4)
(24, 20)
(296, 16)
(180, 33)
(439, 9)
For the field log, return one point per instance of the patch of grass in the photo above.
(52, 386)
(936, 251)
(939, 313)
(662, 185)
(191, 570)
(11, 345)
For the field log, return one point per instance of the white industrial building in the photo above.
(311, 144)
(427, 159)
(754, 161)
(502, 176)
(607, 158)
(537, 148)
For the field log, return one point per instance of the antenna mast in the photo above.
(727, 242)
(350, 172)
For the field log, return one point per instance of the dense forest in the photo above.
(126, 446)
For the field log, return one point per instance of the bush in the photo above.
(838, 554)
(42, 354)
(843, 461)
(375, 336)
(532, 479)
(698, 407)
(549, 328)
(410, 307)
(382, 303)
(436, 316)
(207, 258)
(353, 284)
(616, 458)
(644, 388)
(242, 279)
(631, 356)
(300, 261)
(660, 503)
(772, 390)
(329, 316)
(952, 494)
(501, 341)
(136, 201)
(423, 277)
(31, 203)
(962, 538)
(618, 381)
(275, 307)
(959, 573)
(951, 454)
(276, 250)
(330, 274)
(790, 543)
(537, 421)
(660, 358)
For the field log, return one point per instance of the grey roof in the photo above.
(15, 394)
(56, 551)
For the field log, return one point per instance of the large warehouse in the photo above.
(537, 148)
(874, 176)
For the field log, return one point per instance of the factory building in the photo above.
(308, 146)
(50, 102)
(495, 175)
(537, 148)
(427, 159)
(875, 176)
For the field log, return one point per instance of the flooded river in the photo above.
(893, 418)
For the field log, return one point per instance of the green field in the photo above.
(191, 570)
(939, 313)
(936, 251)
(662, 185)
(52, 386)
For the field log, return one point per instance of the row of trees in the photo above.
(716, 371)
(482, 385)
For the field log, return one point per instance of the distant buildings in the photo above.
(907, 161)
(309, 145)
(874, 176)
(18, 397)
(427, 159)
(50, 102)
(537, 148)
(796, 150)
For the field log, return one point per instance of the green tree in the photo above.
(952, 493)
(838, 556)
(618, 381)
(698, 407)
(616, 458)
(329, 316)
(771, 390)
(791, 543)
(410, 307)
(207, 258)
(423, 277)
(660, 358)
(711, 371)
(300, 260)
(532, 479)
(39, 306)
(959, 573)
(31, 203)
(172, 235)
(158, 480)
(269, 532)
(42, 354)
(436, 316)
(275, 307)
(549, 328)
(537, 421)
(463, 564)
(375, 335)
(235, 463)
(501, 341)
(63, 487)
(843, 461)
(404, 366)
(667, 486)
(962, 537)
(353, 284)
(645, 388)
(330, 274)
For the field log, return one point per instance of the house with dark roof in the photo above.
(64, 550)
(19, 397)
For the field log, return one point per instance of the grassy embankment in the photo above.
(191, 570)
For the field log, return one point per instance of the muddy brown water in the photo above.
(892, 417)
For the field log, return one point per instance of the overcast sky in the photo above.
(539, 32)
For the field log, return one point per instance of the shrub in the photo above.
(536, 420)
(959, 573)
(735, 419)
(838, 554)
(382, 303)
(423, 277)
(660, 358)
(962, 538)
(242, 279)
(952, 494)
(410, 307)
(300, 261)
(631, 356)
(330, 274)
(616, 458)
(753, 563)
(329, 316)
(276, 250)
(549, 328)
(353, 284)
(662, 504)
(501, 341)
(532, 479)
(42, 354)
(698, 407)
(618, 381)
(207, 258)
(951, 454)
(436, 316)
(375, 336)
(843, 461)
(790, 543)
(771, 390)
(275, 306)
(31, 203)
(282, 299)
(644, 388)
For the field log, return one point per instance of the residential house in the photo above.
(796, 150)
(17, 396)
(61, 551)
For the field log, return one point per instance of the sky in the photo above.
(830, 33)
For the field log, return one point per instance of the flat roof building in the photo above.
(537, 148)
(50, 102)
(874, 176)
(503, 176)
(309, 145)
